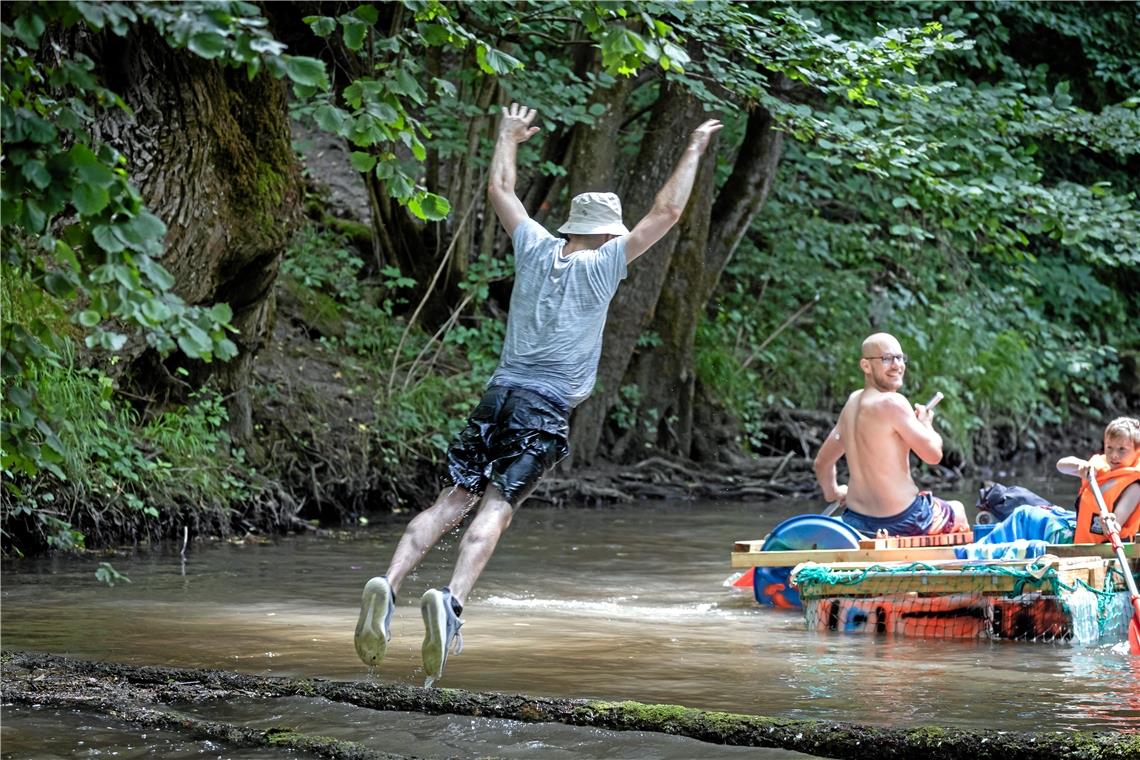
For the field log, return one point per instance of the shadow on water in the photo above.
(617, 602)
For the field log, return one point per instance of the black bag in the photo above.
(1002, 500)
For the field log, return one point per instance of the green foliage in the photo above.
(117, 469)
(891, 209)
(424, 385)
(322, 261)
(106, 573)
(995, 244)
(624, 412)
(375, 112)
(74, 229)
(942, 178)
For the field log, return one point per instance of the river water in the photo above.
(621, 602)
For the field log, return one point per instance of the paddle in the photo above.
(933, 402)
(1108, 520)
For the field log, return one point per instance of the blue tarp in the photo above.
(1022, 531)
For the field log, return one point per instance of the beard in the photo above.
(887, 383)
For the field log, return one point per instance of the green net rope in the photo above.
(809, 575)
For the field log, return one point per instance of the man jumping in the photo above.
(520, 428)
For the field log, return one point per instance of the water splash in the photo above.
(614, 609)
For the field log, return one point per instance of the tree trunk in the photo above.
(743, 194)
(673, 117)
(665, 373)
(124, 691)
(468, 187)
(666, 293)
(593, 154)
(210, 152)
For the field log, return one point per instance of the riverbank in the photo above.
(316, 407)
(337, 443)
(353, 403)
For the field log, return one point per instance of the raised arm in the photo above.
(515, 128)
(673, 195)
(1074, 466)
(916, 428)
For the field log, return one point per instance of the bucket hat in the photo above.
(595, 214)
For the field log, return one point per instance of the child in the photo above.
(1117, 474)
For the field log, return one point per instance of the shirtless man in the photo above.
(877, 430)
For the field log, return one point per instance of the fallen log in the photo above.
(125, 708)
(34, 678)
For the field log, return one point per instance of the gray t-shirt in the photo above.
(557, 314)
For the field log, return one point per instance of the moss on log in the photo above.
(39, 678)
(122, 707)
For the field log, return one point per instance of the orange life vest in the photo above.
(1112, 483)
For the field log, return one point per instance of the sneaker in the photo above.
(441, 630)
(374, 626)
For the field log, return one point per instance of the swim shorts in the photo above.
(927, 515)
(514, 437)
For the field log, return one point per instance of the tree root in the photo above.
(125, 692)
(662, 478)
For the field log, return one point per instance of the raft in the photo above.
(919, 587)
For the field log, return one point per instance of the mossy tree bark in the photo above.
(210, 152)
(672, 118)
(668, 288)
(128, 693)
(710, 233)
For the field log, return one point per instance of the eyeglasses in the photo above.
(889, 359)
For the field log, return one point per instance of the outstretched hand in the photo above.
(516, 124)
(703, 134)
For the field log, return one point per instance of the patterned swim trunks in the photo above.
(927, 515)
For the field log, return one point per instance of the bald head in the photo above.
(881, 343)
(883, 362)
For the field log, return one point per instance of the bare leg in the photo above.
(425, 529)
(479, 542)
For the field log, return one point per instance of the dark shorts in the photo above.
(927, 515)
(512, 439)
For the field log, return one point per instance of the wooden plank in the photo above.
(827, 556)
(753, 557)
(909, 542)
(882, 585)
(1096, 578)
(961, 565)
(748, 546)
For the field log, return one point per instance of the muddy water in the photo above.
(616, 602)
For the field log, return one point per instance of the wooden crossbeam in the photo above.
(747, 554)
(909, 542)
